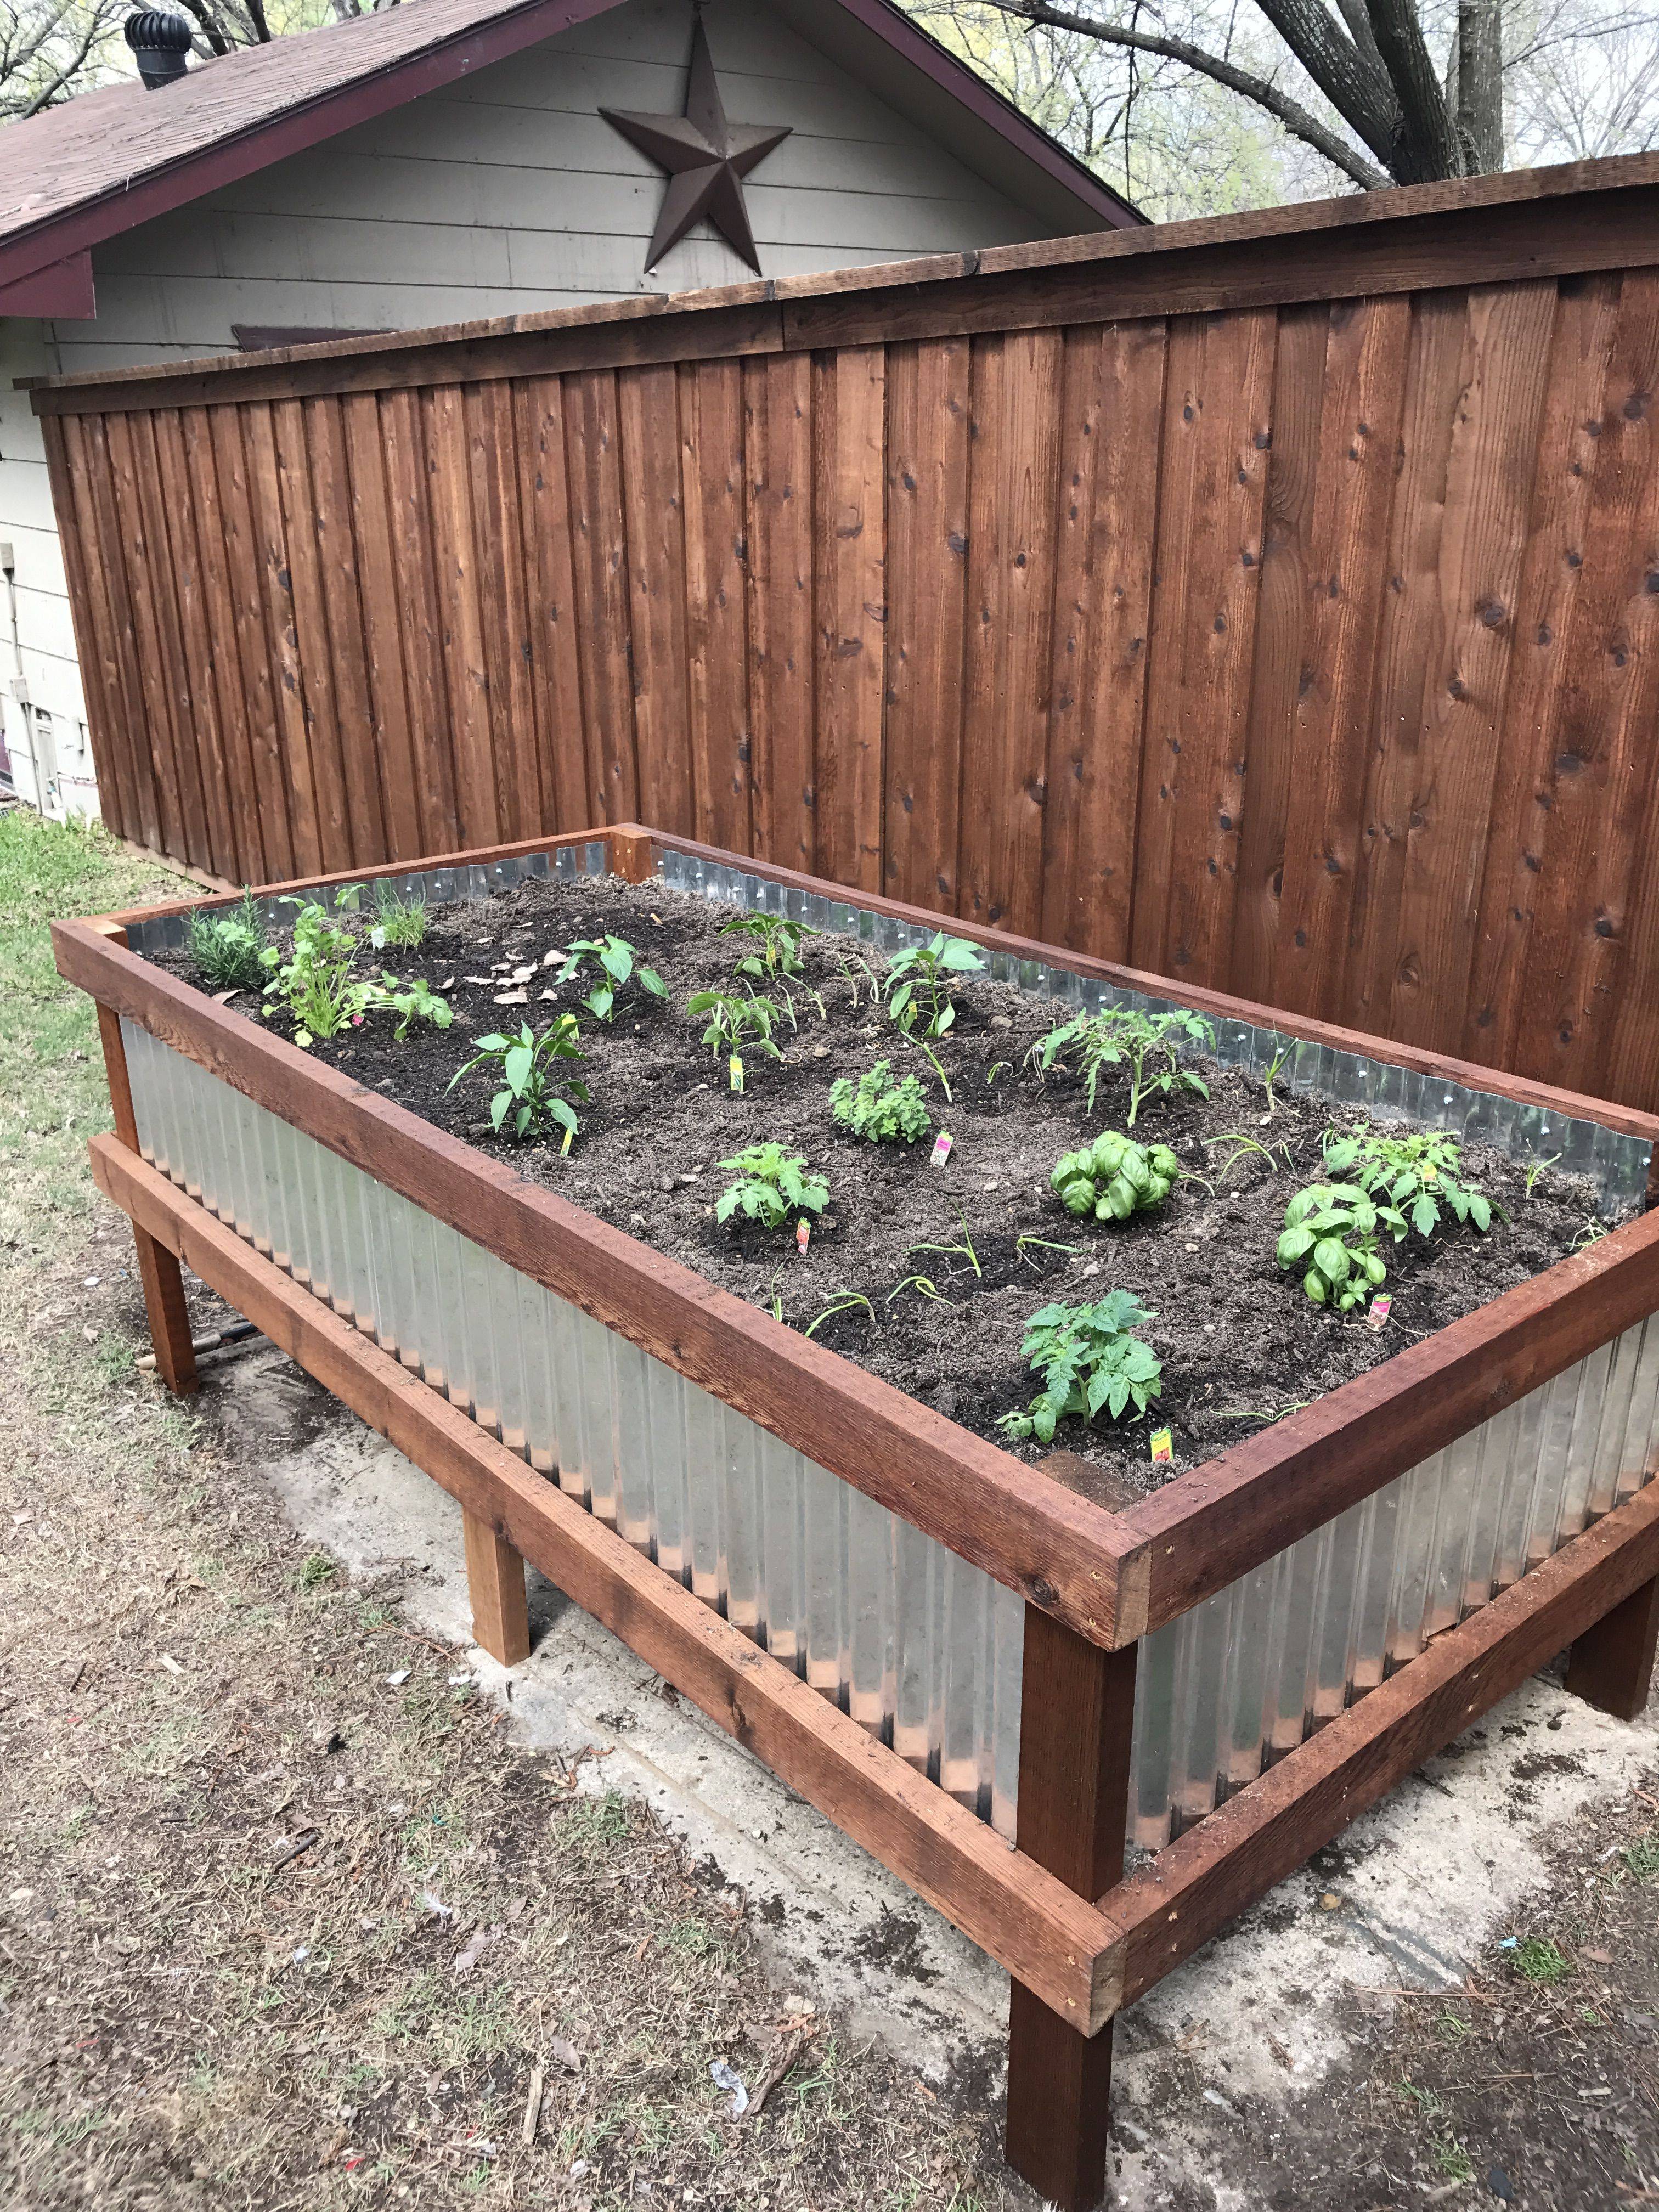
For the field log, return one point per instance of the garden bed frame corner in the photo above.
(1080, 1939)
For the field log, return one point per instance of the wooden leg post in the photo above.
(158, 1271)
(495, 1578)
(1077, 1712)
(1611, 1665)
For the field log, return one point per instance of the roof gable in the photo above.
(111, 159)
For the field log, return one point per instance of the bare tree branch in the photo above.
(1296, 118)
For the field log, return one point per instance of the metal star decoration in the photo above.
(706, 157)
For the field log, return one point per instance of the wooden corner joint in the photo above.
(631, 851)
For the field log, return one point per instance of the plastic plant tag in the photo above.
(941, 1150)
(1377, 1314)
(736, 1065)
(1163, 1445)
(564, 1149)
(803, 1236)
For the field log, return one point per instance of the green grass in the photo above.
(1540, 1961)
(52, 1095)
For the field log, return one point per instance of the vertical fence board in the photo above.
(313, 662)
(504, 608)
(1217, 438)
(75, 492)
(460, 612)
(778, 576)
(185, 454)
(378, 581)
(1009, 663)
(421, 621)
(599, 560)
(555, 667)
(245, 581)
(717, 688)
(150, 604)
(649, 400)
(928, 426)
(1108, 465)
(848, 429)
(338, 563)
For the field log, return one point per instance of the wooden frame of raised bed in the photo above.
(1079, 1938)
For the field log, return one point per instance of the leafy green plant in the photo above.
(534, 1090)
(1418, 1172)
(411, 1002)
(1090, 1362)
(315, 983)
(1332, 1227)
(769, 1185)
(619, 963)
(917, 984)
(1540, 1961)
(1114, 1177)
(1149, 1045)
(738, 1022)
(776, 944)
(399, 921)
(227, 943)
(880, 1110)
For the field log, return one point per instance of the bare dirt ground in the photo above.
(287, 1920)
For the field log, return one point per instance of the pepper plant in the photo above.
(1114, 1177)
(769, 1185)
(1090, 1362)
(534, 1090)
(1416, 1172)
(738, 1022)
(880, 1110)
(619, 963)
(1333, 1228)
(1149, 1045)
(775, 943)
(917, 984)
(226, 945)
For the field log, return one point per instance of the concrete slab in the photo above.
(1404, 1900)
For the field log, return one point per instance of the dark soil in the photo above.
(1240, 1344)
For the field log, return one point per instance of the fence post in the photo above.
(495, 1582)
(630, 853)
(1611, 1665)
(1077, 1718)
(158, 1271)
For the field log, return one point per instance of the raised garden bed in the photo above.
(998, 1649)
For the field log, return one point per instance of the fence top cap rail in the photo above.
(1359, 215)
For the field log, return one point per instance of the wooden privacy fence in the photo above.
(1268, 602)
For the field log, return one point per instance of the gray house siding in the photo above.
(494, 196)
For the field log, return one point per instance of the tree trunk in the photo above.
(1479, 87)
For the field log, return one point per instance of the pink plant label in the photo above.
(803, 1236)
(941, 1150)
(1379, 1309)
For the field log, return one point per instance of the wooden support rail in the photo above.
(1027, 1919)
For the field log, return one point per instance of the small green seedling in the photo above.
(620, 964)
(1416, 1172)
(1537, 1168)
(1149, 1045)
(924, 1287)
(1275, 1069)
(1114, 1177)
(842, 1302)
(917, 984)
(738, 1022)
(776, 944)
(315, 982)
(399, 921)
(964, 1250)
(411, 1002)
(769, 1185)
(1332, 1227)
(226, 945)
(533, 1091)
(1242, 1147)
(1542, 1962)
(1043, 1244)
(1091, 1363)
(880, 1110)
